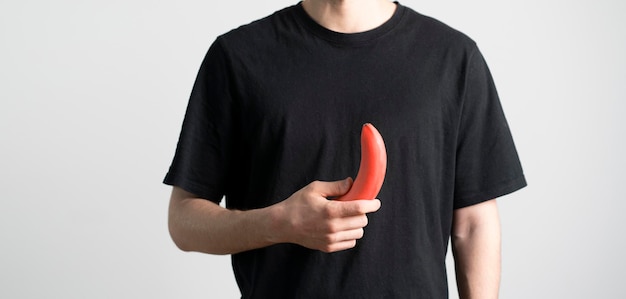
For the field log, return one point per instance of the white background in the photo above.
(92, 95)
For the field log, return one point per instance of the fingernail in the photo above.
(347, 182)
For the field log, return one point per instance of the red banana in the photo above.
(373, 166)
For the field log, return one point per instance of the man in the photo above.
(273, 125)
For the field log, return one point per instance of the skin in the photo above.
(476, 250)
(307, 218)
(349, 16)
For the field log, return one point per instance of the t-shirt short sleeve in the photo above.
(202, 154)
(487, 163)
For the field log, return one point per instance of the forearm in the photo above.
(476, 249)
(200, 225)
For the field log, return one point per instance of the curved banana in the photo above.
(373, 166)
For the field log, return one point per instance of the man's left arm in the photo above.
(476, 250)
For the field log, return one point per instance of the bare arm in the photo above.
(307, 218)
(476, 250)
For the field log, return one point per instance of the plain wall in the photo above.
(92, 96)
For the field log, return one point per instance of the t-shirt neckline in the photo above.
(350, 39)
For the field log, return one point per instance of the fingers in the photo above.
(344, 208)
(313, 221)
(334, 247)
(341, 241)
(354, 207)
(340, 233)
(342, 225)
(329, 189)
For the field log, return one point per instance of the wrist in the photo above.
(272, 224)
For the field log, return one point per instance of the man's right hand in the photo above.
(306, 218)
(309, 219)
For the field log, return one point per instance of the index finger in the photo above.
(355, 207)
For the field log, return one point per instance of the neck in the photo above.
(349, 16)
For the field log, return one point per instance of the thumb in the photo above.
(335, 188)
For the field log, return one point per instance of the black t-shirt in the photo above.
(280, 102)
